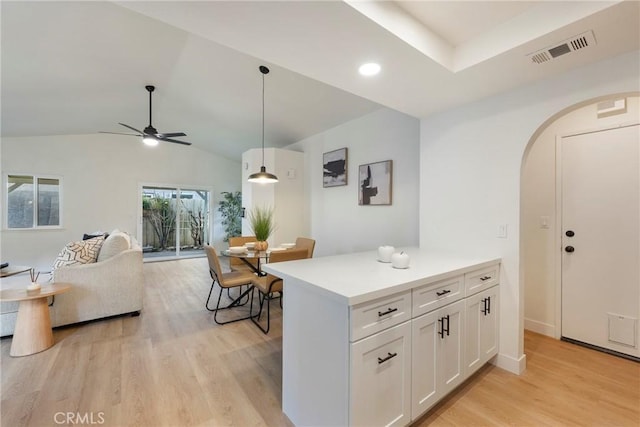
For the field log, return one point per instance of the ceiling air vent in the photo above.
(578, 42)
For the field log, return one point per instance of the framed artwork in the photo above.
(375, 181)
(335, 168)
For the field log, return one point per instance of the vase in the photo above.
(33, 287)
(261, 245)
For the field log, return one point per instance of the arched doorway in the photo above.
(540, 206)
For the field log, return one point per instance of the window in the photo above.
(175, 221)
(33, 201)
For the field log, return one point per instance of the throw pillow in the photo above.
(113, 245)
(82, 252)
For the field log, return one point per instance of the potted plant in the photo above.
(231, 211)
(261, 222)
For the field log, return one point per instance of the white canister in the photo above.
(400, 260)
(385, 253)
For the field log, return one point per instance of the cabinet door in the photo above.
(450, 346)
(381, 378)
(481, 329)
(424, 340)
(489, 324)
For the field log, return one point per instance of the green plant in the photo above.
(231, 210)
(261, 220)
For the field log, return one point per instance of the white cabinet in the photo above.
(437, 355)
(381, 378)
(364, 344)
(437, 294)
(371, 317)
(481, 279)
(481, 342)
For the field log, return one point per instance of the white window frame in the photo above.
(36, 177)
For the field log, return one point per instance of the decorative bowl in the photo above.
(250, 245)
(288, 245)
(237, 249)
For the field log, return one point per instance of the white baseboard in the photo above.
(513, 365)
(540, 327)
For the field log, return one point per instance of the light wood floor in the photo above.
(173, 366)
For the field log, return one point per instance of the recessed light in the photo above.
(369, 69)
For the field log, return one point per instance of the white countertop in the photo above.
(360, 277)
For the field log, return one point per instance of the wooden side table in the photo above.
(33, 332)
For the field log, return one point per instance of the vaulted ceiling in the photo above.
(81, 67)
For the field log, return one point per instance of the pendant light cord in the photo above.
(263, 119)
(150, 108)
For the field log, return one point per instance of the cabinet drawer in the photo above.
(371, 317)
(481, 279)
(437, 294)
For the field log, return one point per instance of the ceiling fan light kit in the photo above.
(150, 141)
(263, 177)
(150, 136)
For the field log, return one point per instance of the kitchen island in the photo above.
(367, 344)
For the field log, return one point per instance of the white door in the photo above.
(601, 238)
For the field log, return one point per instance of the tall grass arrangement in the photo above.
(261, 220)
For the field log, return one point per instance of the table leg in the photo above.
(33, 332)
(255, 268)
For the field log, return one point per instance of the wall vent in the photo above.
(611, 107)
(581, 41)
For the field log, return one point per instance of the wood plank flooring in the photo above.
(173, 366)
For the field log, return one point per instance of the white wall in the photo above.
(286, 197)
(337, 222)
(470, 165)
(540, 248)
(101, 178)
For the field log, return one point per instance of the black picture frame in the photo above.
(334, 165)
(375, 183)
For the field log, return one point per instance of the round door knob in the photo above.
(570, 233)
(569, 249)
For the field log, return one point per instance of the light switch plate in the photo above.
(544, 221)
(502, 231)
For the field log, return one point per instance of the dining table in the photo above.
(252, 255)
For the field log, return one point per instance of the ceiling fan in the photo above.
(150, 135)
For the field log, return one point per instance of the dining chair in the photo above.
(234, 279)
(306, 243)
(237, 264)
(269, 284)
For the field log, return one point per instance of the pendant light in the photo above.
(263, 177)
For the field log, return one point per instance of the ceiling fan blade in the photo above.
(170, 135)
(175, 141)
(120, 133)
(134, 129)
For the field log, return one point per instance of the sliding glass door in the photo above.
(175, 221)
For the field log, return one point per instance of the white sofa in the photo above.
(113, 285)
